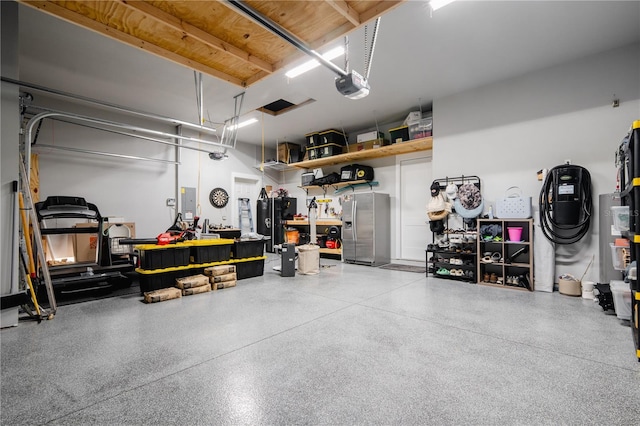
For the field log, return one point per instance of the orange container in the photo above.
(293, 236)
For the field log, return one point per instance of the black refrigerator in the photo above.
(272, 214)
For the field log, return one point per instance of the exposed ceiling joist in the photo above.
(192, 31)
(210, 37)
(345, 10)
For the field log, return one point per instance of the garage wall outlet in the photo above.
(171, 202)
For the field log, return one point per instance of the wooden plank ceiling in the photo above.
(212, 36)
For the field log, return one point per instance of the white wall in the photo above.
(385, 170)
(9, 127)
(506, 132)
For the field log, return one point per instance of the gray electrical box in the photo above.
(188, 203)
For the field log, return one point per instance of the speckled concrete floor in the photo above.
(353, 345)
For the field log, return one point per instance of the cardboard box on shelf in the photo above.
(412, 117)
(288, 152)
(355, 147)
(369, 136)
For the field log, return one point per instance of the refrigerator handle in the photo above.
(354, 209)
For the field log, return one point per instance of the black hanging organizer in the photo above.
(458, 245)
(629, 157)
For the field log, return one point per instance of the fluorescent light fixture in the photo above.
(244, 123)
(437, 4)
(313, 63)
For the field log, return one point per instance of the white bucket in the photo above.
(587, 289)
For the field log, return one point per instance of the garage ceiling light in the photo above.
(244, 123)
(437, 4)
(313, 63)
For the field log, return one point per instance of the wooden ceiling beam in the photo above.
(196, 33)
(78, 19)
(379, 9)
(345, 10)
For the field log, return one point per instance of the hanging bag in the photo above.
(513, 205)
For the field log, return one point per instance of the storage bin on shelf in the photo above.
(421, 128)
(621, 299)
(323, 151)
(620, 216)
(312, 139)
(332, 137)
(399, 134)
(620, 256)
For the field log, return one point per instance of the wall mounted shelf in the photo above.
(407, 147)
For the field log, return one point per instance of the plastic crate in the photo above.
(209, 250)
(153, 256)
(312, 139)
(313, 153)
(248, 248)
(399, 134)
(620, 257)
(421, 128)
(250, 268)
(155, 280)
(332, 137)
(328, 150)
(621, 299)
(620, 218)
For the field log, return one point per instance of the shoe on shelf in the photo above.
(442, 271)
(485, 277)
(493, 278)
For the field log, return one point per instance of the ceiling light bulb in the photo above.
(313, 63)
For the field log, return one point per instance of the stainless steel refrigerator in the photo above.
(366, 224)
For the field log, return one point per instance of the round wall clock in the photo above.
(218, 197)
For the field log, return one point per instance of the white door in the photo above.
(415, 180)
(245, 187)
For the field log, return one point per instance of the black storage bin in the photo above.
(399, 134)
(156, 281)
(248, 248)
(356, 172)
(312, 139)
(207, 253)
(249, 269)
(329, 150)
(313, 153)
(161, 258)
(332, 137)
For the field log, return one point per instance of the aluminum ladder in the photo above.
(245, 219)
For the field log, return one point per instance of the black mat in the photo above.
(404, 268)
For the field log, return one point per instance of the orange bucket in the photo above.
(293, 236)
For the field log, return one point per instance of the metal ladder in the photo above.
(244, 215)
(37, 240)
